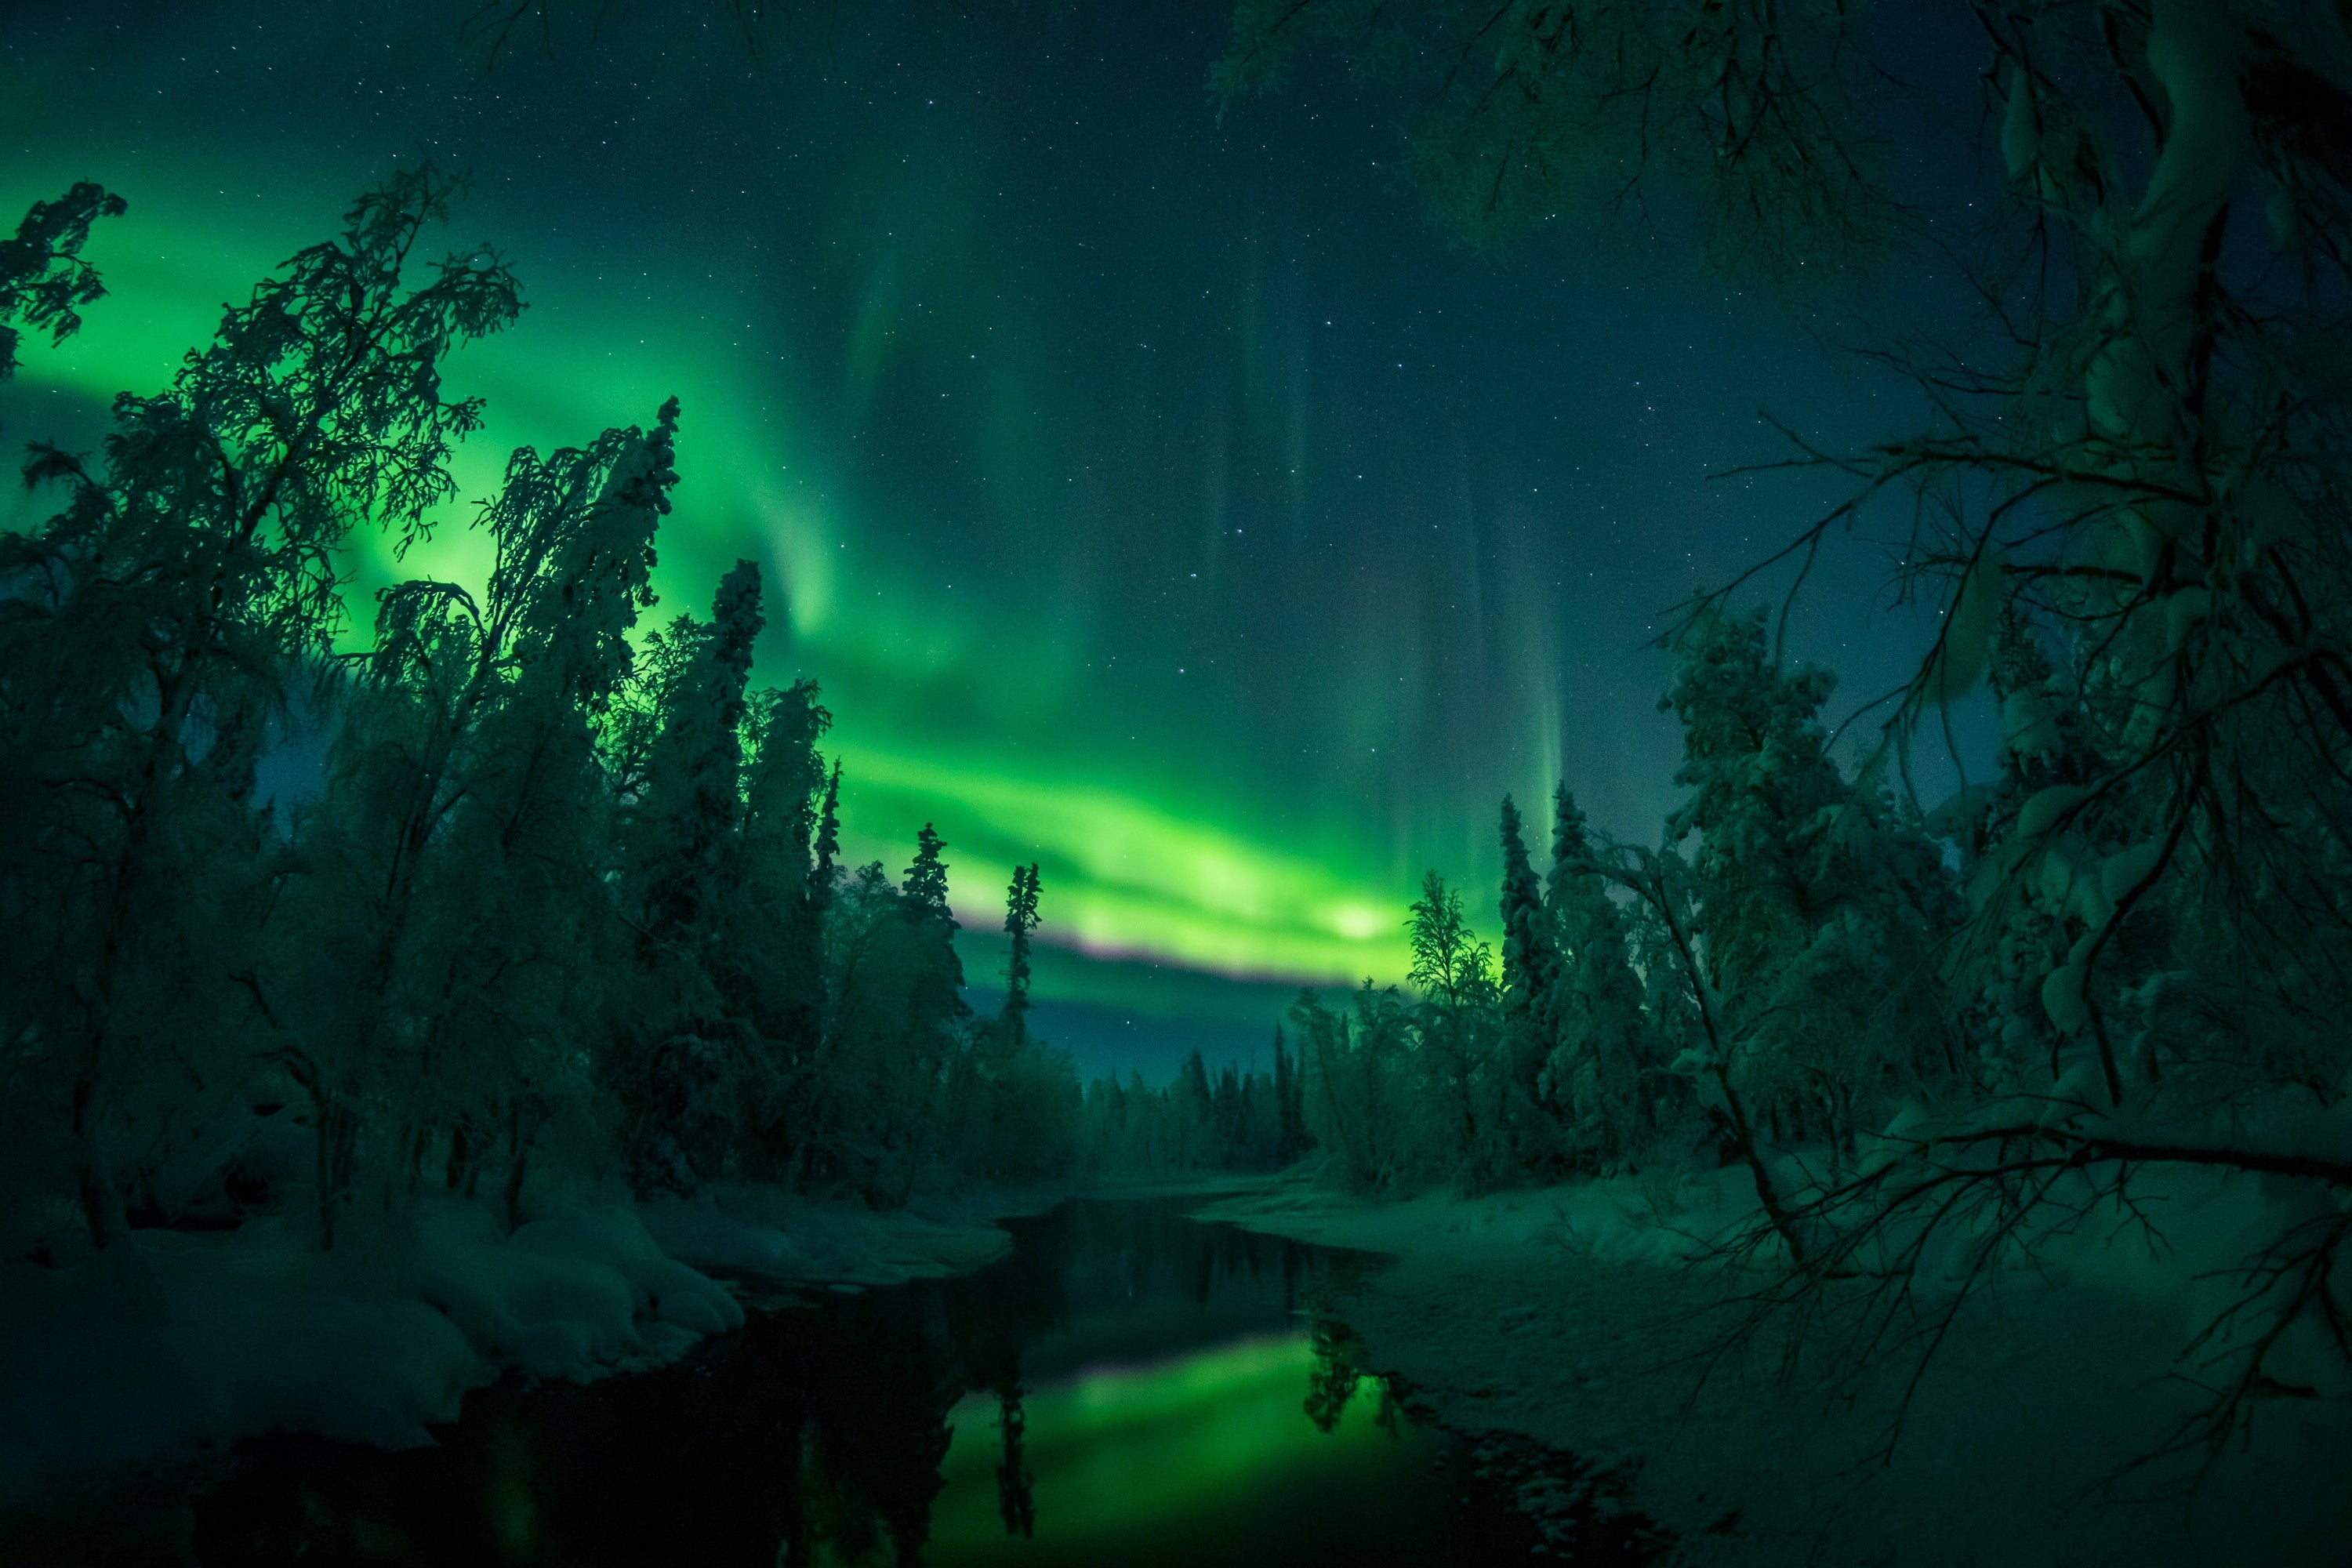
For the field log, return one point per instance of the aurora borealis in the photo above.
(1155, 495)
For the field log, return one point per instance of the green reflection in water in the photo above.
(1167, 1451)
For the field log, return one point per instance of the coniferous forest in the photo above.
(465, 980)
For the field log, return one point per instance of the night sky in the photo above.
(1157, 498)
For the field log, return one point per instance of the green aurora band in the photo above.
(1130, 872)
(1156, 497)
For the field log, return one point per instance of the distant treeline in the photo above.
(1232, 1120)
(1794, 974)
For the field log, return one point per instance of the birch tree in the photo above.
(152, 623)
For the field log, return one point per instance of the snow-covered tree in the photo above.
(1534, 979)
(1016, 1099)
(1020, 920)
(152, 629)
(1459, 1121)
(1364, 1106)
(897, 1028)
(1531, 958)
(774, 975)
(1819, 907)
(439, 962)
(692, 809)
(1290, 1107)
(1605, 1072)
(688, 1057)
(45, 280)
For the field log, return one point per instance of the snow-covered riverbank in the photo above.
(1570, 1316)
(175, 1345)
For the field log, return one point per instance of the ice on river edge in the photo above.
(172, 1344)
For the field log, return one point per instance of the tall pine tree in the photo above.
(1020, 920)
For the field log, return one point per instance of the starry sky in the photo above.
(1155, 494)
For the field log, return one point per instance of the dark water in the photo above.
(1127, 1386)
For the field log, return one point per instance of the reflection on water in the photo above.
(1127, 1387)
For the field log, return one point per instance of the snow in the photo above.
(770, 1232)
(1580, 1316)
(2041, 810)
(173, 1345)
(1967, 638)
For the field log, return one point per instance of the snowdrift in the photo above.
(173, 1345)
